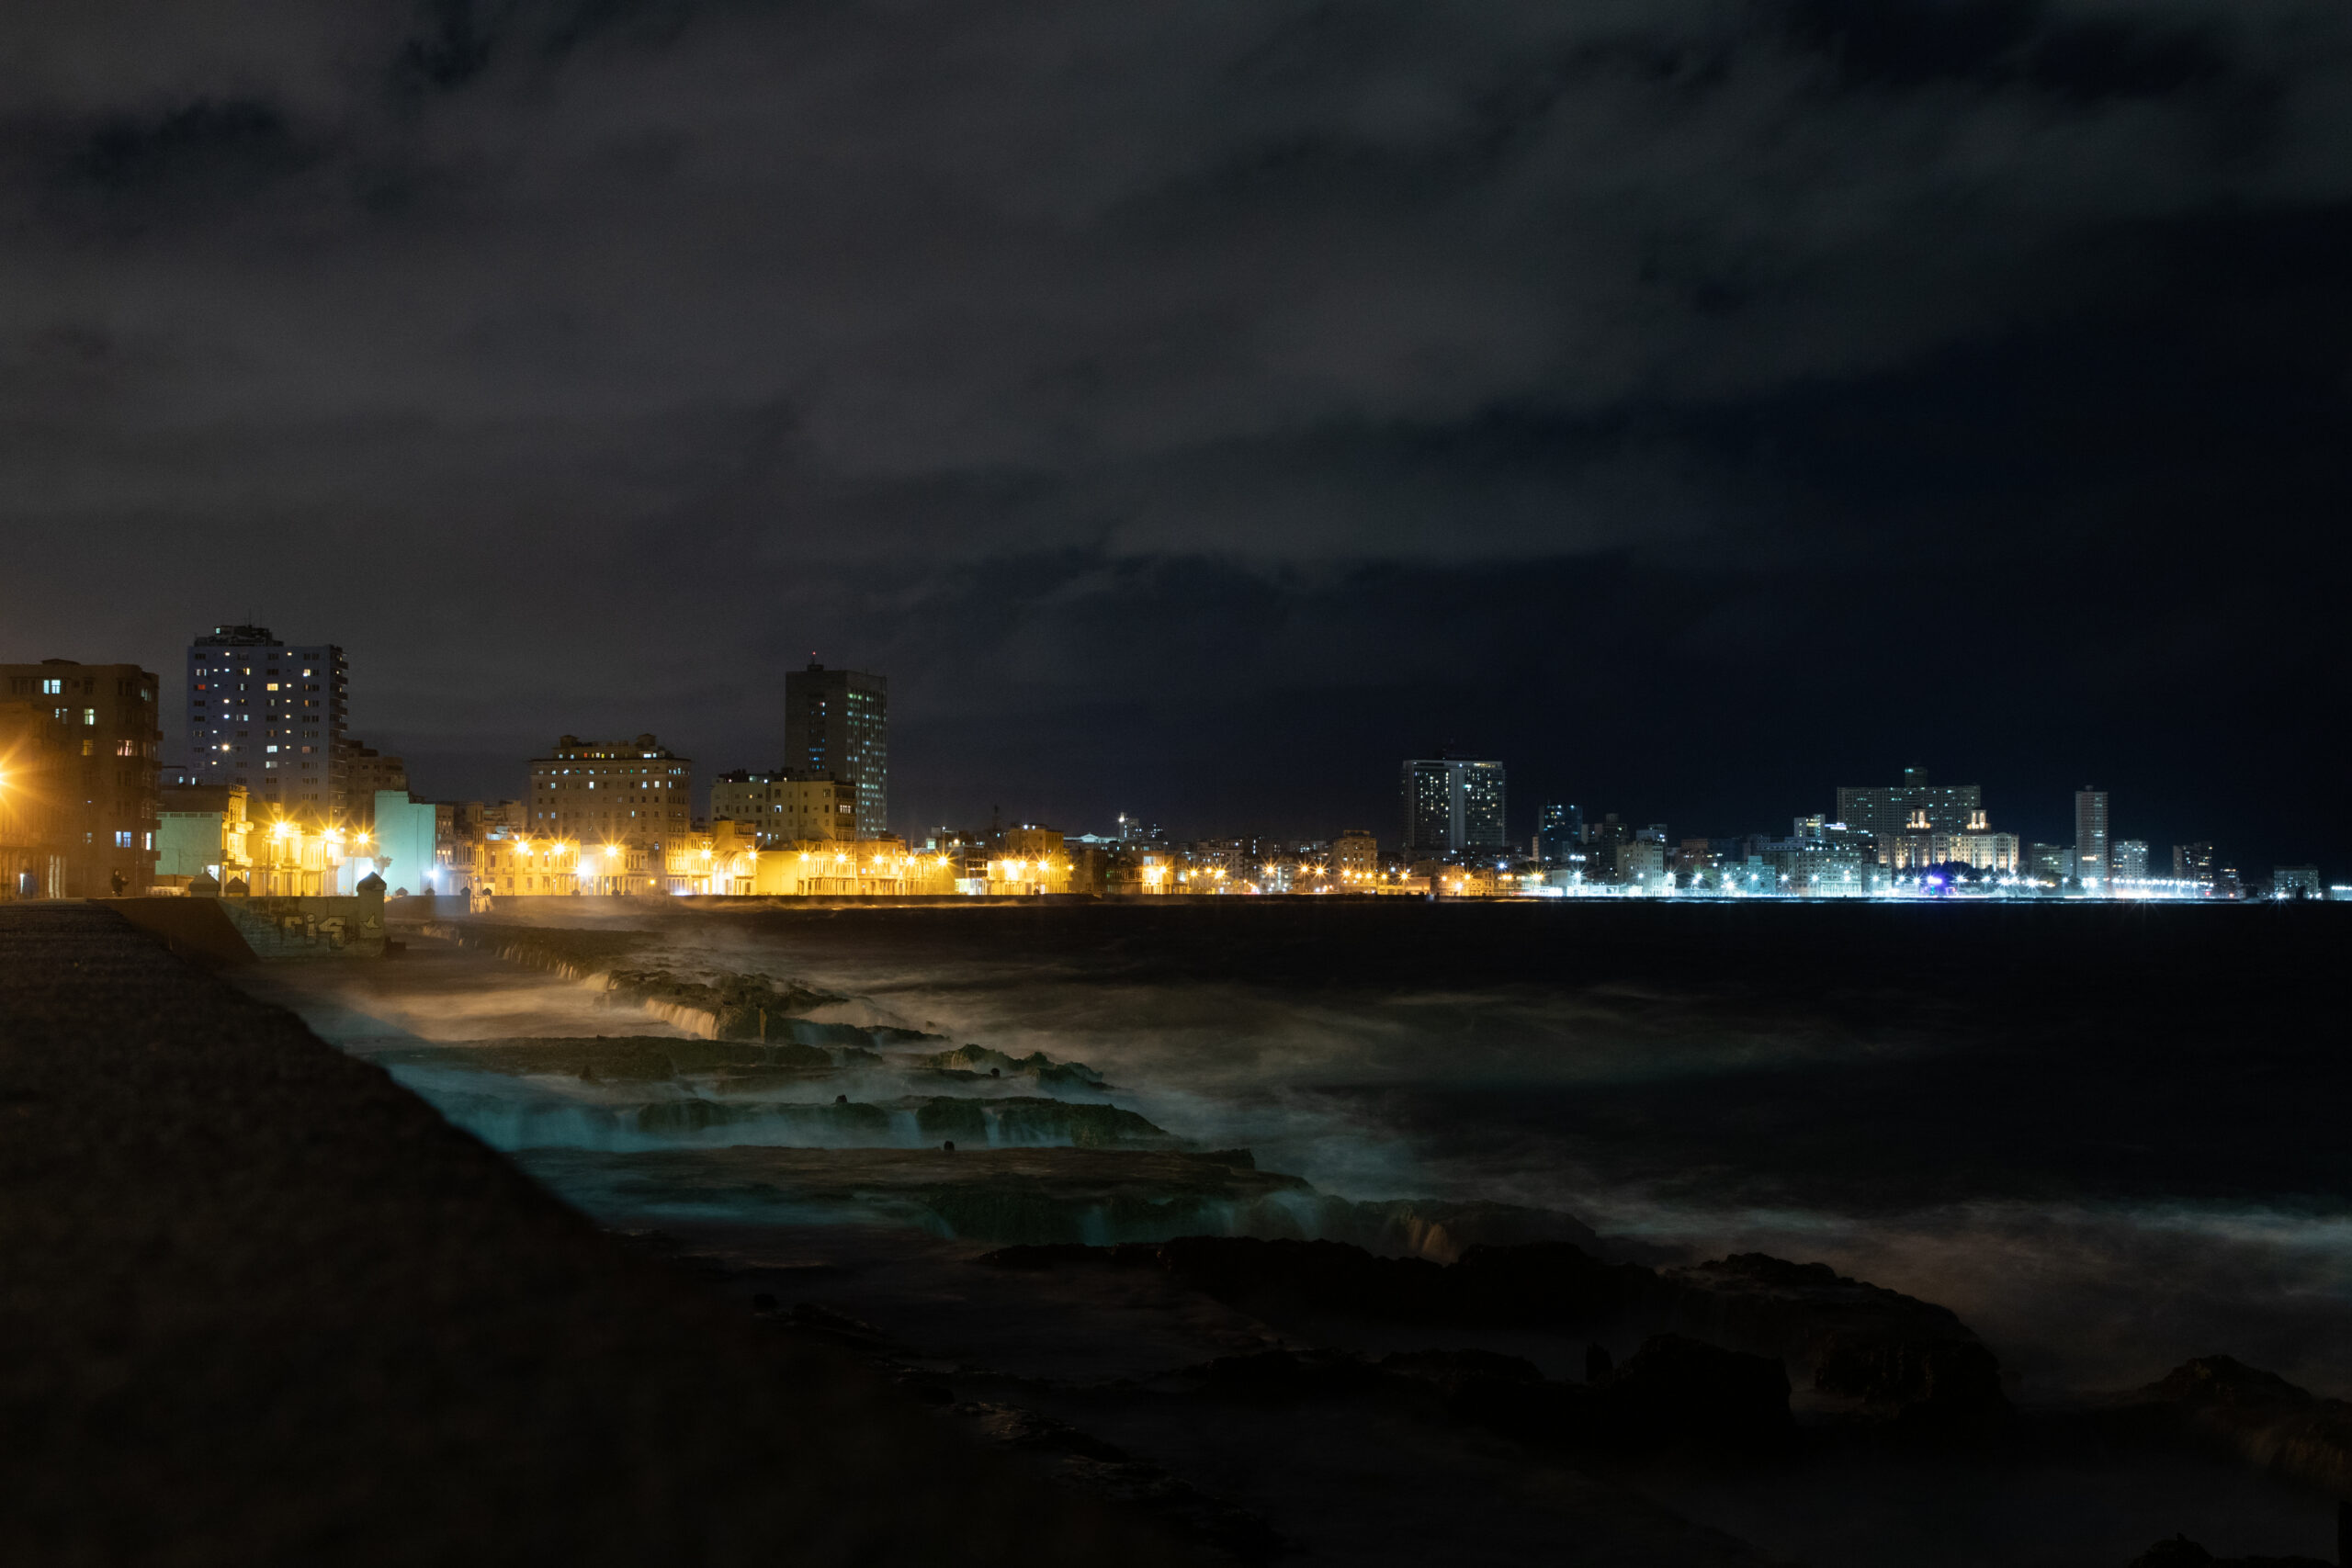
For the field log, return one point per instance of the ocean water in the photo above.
(2111, 1139)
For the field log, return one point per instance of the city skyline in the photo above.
(1299, 432)
(1931, 819)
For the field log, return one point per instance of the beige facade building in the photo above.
(841, 868)
(509, 865)
(1355, 860)
(1028, 859)
(787, 807)
(610, 796)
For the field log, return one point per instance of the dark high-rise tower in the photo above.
(838, 722)
(1452, 806)
(1559, 834)
(270, 718)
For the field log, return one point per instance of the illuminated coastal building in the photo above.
(34, 754)
(622, 802)
(1641, 862)
(1028, 859)
(1559, 834)
(2193, 863)
(2091, 861)
(2131, 859)
(294, 857)
(722, 862)
(1355, 860)
(844, 868)
(82, 772)
(1888, 811)
(270, 718)
(838, 722)
(2050, 862)
(1143, 871)
(787, 807)
(1452, 806)
(513, 864)
(202, 831)
(2296, 882)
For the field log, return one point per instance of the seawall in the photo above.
(264, 1307)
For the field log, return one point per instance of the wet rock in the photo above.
(1283, 1277)
(952, 1118)
(617, 1058)
(1680, 1391)
(1504, 1393)
(2258, 1415)
(2182, 1553)
(1006, 1196)
(1552, 1284)
(1285, 1375)
(814, 1317)
(1036, 1065)
(1897, 1357)
(1085, 1463)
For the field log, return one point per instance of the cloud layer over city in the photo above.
(1195, 407)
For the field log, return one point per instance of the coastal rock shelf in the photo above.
(1014, 1196)
(264, 1307)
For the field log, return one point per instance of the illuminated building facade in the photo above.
(844, 868)
(1559, 834)
(1887, 811)
(2091, 860)
(2193, 863)
(2296, 882)
(609, 797)
(33, 752)
(838, 722)
(1452, 806)
(2050, 862)
(366, 773)
(82, 772)
(271, 718)
(2131, 859)
(1355, 860)
(787, 807)
(202, 830)
(1028, 859)
(513, 864)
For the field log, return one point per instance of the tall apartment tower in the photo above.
(2092, 862)
(838, 722)
(1452, 806)
(270, 718)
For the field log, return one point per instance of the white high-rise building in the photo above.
(272, 718)
(2093, 864)
(1452, 806)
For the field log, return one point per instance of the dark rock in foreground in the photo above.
(2182, 1553)
(1675, 1393)
(2258, 1414)
(1892, 1357)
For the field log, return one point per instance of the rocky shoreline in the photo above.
(1166, 1327)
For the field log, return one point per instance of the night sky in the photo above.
(1194, 408)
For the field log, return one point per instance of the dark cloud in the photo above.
(1695, 401)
